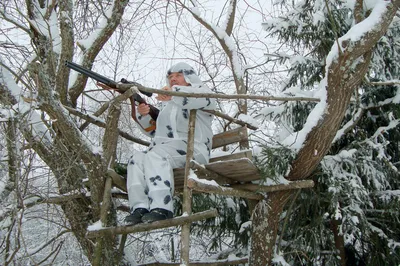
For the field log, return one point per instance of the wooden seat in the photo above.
(225, 169)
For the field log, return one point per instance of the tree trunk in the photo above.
(265, 224)
(339, 240)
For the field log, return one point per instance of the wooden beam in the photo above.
(118, 181)
(187, 192)
(123, 230)
(228, 137)
(204, 173)
(220, 190)
(237, 155)
(241, 170)
(272, 188)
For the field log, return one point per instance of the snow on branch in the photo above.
(14, 22)
(12, 94)
(392, 125)
(223, 36)
(87, 43)
(95, 42)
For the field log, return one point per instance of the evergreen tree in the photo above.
(354, 208)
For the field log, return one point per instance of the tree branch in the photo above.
(91, 53)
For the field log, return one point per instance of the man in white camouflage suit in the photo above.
(150, 173)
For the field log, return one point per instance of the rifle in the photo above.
(112, 84)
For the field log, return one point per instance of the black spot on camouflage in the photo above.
(181, 152)
(167, 199)
(188, 71)
(185, 113)
(185, 101)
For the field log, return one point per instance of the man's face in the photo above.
(177, 78)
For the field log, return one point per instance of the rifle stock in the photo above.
(112, 84)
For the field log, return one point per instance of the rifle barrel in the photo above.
(91, 74)
(111, 83)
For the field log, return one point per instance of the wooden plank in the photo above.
(242, 170)
(228, 137)
(118, 181)
(237, 155)
(199, 185)
(279, 187)
(201, 172)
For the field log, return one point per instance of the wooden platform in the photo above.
(227, 169)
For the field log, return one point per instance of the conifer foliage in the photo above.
(351, 217)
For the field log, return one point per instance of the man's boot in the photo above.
(136, 216)
(157, 214)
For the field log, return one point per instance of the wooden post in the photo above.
(187, 193)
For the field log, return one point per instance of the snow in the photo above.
(248, 119)
(278, 180)
(39, 23)
(319, 17)
(88, 42)
(229, 42)
(97, 149)
(224, 25)
(96, 226)
(396, 99)
(193, 176)
(218, 153)
(41, 132)
(245, 226)
(279, 260)
(296, 140)
(54, 32)
(348, 125)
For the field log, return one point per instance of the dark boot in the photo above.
(157, 215)
(136, 216)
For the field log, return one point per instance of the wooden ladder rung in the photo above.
(143, 227)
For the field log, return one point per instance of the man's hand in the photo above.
(143, 109)
(164, 98)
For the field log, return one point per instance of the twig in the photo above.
(102, 124)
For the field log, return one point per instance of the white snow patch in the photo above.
(96, 226)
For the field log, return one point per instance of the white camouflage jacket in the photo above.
(173, 120)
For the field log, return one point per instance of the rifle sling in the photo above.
(133, 114)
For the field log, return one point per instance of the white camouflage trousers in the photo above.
(150, 180)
